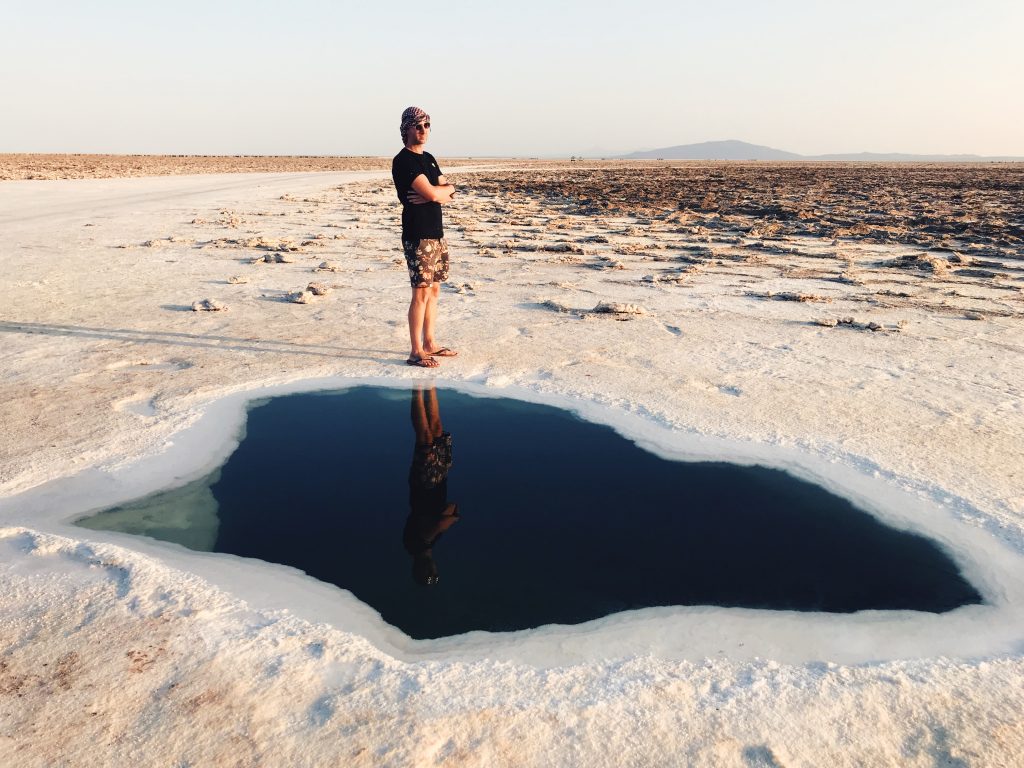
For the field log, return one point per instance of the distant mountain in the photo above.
(741, 150)
(715, 150)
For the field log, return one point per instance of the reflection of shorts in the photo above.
(427, 261)
(430, 463)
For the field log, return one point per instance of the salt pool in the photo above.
(449, 513)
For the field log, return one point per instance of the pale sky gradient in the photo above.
(522, 78)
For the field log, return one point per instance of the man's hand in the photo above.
(424, 192)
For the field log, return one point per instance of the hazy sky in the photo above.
(523, 78)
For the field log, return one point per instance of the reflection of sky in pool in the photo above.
(449, 513)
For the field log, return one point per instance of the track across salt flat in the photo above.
(29, 202)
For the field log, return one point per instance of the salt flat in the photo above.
(112, 386)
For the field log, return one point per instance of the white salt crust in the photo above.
(134, 650)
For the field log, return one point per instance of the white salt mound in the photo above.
(618, 308)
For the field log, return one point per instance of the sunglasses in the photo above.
(422, 126)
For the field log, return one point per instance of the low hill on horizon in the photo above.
(715, 150)
(733, 149)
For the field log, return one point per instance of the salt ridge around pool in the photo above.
(669, 632)
(555, 520)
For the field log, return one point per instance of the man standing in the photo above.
(422, 190)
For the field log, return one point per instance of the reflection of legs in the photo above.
(433, 413)
(417, 321)
(426, 415)
(418, 412)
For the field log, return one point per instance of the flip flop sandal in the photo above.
(422, 362)
(445, 352)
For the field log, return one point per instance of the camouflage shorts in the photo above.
(427, 261)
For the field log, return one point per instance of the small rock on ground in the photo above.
(208, 305)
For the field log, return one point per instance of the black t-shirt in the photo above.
(418, 221)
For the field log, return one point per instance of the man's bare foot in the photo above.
(422, 361)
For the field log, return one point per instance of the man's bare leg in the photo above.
(430, 324)
(430, 318)
(417, 315)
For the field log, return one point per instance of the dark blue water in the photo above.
(449, 513)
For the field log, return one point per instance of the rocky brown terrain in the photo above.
(926, 205)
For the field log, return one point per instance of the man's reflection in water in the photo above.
(430, 514)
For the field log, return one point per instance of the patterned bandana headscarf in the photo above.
(411, 117)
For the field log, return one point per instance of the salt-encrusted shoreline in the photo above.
(671, 633)
(138, 651)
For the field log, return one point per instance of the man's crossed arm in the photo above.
(424, 192)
